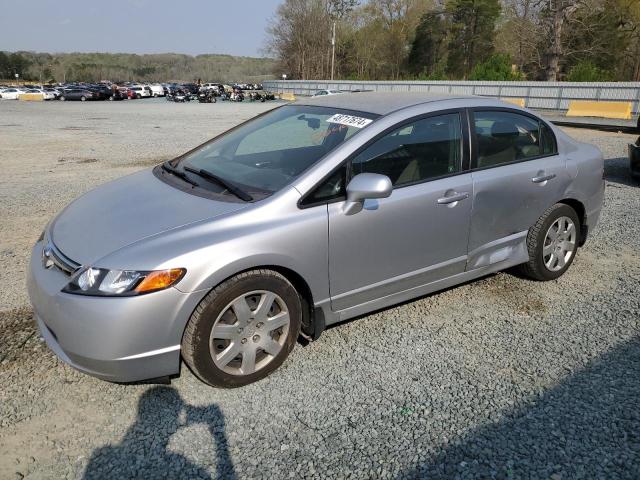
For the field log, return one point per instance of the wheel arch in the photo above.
(313, 322)
(581, 211)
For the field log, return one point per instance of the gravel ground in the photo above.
(499, 378)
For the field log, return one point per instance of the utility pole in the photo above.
(333, 49)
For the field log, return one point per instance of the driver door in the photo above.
(417, 235)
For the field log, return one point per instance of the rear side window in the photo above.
(506, 137)
(418, 151)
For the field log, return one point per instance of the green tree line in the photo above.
(572, 40)
(165, 67)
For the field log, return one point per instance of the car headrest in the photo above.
(504, 130)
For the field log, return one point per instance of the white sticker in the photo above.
(349, 120)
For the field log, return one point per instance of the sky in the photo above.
(235, 27)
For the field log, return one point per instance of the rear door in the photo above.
(517, 175)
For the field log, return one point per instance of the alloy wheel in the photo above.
(249, 333)
(559, 244)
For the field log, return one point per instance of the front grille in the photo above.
(52, 257)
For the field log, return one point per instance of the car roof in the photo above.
(380, 103)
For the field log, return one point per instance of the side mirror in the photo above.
(366, 186)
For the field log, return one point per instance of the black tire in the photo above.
(83, 99)
(195, 340)
(62, 98)
(535, 268)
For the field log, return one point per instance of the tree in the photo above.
(428, 50)
(498, 67)
(397, 20)
(518, 35)
(555, 14)
(473, 25)
(298, 37)
(586, 71)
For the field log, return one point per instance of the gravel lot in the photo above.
(499, 378)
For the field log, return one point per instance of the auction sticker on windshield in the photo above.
(349, 120)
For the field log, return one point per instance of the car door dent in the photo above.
(511, 247)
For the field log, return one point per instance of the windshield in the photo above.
(265, 154)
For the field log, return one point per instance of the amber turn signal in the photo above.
(160, 280)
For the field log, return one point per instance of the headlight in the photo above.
(109, 283)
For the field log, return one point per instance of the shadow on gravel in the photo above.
(143, 451)
(586, 427)
(617, 170)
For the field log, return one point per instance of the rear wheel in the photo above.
(83, 99)
(243, 329)
(552, 243)
(62, 98)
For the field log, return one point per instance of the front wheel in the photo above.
(83, 99)
(552, 243)
(62, 98)
(243, 329)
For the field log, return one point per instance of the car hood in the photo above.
(125, 211)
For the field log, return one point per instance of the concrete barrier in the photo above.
(31, 97)
(582, 108)
(515, 101)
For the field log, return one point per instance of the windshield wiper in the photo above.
(238, 192)
(167, 167)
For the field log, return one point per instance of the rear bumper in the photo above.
(123, 339)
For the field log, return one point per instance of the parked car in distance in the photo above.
(56, 93)
(223, 256)
(141, 91)
(101, 92)
(634, 158)
(11, 93)
(45, 94)
(157, 90)
(81, 94)
(322, 93)
(211, 86)
(118, 93)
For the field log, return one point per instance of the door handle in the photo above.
(455, 197)
(543, 178)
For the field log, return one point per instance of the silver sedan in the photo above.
(305, 216)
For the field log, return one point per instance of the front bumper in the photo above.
(123, 339)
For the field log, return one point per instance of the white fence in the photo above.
(537, 95)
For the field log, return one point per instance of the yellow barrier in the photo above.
(290, 97)
(515, 101)
(31, 97)
(584, 108)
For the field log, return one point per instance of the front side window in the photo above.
(267, 153)
(422, 150)
(506, 137)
